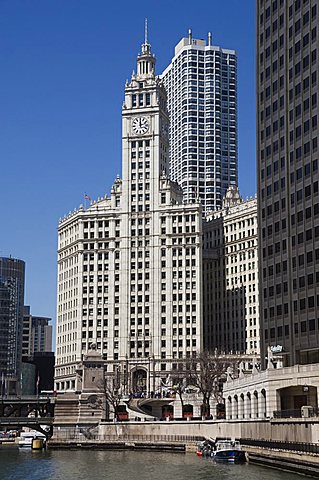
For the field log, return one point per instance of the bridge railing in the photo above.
(26, 420)
(27, 399)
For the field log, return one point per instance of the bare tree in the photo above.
(179, 387)
(183, 379)
(112, 394)
(207, 371)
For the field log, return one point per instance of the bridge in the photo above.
(35, 412)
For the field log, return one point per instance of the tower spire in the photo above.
(146, 47)
(146, 33)
(145, 60)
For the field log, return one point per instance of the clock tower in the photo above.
(145, 124)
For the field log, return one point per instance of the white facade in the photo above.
(129, 266)
(275, 392)
(231, 314)
(201, 85)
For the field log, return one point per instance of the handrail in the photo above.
(297, 413)
(75, 435)
(281, 445)
(26, 420)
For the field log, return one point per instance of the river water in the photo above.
(20, 464)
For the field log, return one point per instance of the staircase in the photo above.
(66, 409)
(135, 407)
(77, 409)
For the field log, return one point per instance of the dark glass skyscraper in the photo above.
(288, 177)
(11, 322)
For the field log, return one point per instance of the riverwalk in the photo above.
(177, 436)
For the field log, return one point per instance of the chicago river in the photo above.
(19, 464)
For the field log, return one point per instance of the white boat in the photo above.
(229, 451)
(26, 438)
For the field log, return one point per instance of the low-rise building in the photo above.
(276, 392)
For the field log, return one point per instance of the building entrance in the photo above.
(139, 381)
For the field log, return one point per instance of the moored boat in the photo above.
(204, 448)
(26, 438)
(229, 451)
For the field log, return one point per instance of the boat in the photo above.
(205, 448)
(229, 451)
(26, 438)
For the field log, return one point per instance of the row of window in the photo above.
(280, 288)
(306, 193)
(140, 165)
(140, 154)
(101, 224)
(294, 92)
(306, 171)
(141, 100)
(308, 125)
(283, 331)
(294, 9)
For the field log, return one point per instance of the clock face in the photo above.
(140, 125)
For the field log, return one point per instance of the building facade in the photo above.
(288, 176)
(230, 277)
(129, 266)
(290, 393)
(12, 272)
(201, 85)
(37, 334)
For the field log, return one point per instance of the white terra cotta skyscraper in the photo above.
(129, 266)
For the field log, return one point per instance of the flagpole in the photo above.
(86, 197)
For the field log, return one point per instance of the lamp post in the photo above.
(305, 389)
(2, 385)
(2, 392)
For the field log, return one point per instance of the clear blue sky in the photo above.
(63, 68)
